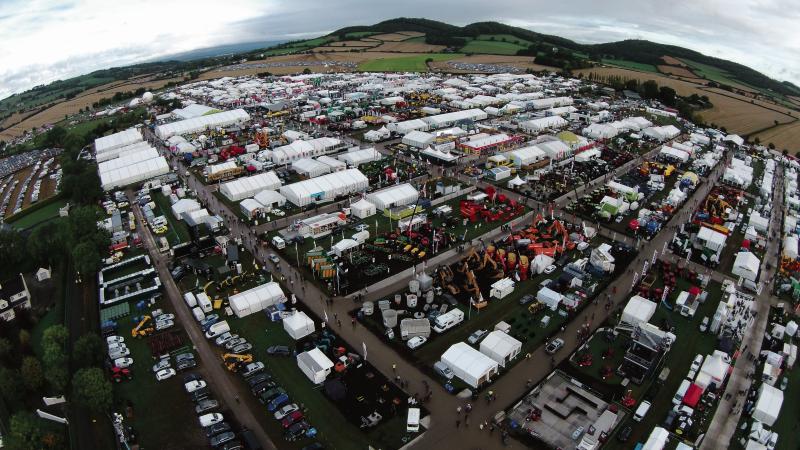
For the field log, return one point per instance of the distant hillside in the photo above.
(638, 51)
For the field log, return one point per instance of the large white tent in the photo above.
(117, 140)
(674, 153)
(256, 299)
(326, 187)
(315, 365)
(298, 325)
(333, 163)
(398, 195)
(202, 123)
(526, 155)
(357, 157)
(452, 118)
(746, 266)
(501, 347)
(768, 405)
(270, 199)
(133, 173)
(419, 139)
(363, 209)
(639, 310)
(184, 205)
(242, 188)
(310, 167)
(112, 153)
(543, 123)
(472, 366)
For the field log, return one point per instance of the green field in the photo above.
(630, 65)
(504, 38)
(41, 215)
(492, 47)
(178, 231)
(720, 76)
(414, 63)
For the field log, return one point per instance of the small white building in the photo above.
(768, 405)
(470, 365)
(315, 365)
(501, 347)
(298, 325)
(363, 209)
(746, 266)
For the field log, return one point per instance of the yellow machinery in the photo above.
(535, 307)
(472, 288)
(716, 206)
(446, 278)
(142, 329)
(233, 361)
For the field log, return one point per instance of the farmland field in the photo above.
(783, 136)
(395, 37)
(407, 47)
(630, 65)
(677, 71)
(404, 64)
(715, 74)
(508, 38)
(491, 47)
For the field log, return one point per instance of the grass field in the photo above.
(631, 65)
(178, 231)
(361, 34)
(783, 137)
(492, 47)
(41, 215)
(718, 75)
(504, 37)
(414, 63)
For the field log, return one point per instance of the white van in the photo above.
(217, 329)
(448, 320)
(204, 302)
(678, 398)
(191, 300)
(412, 423)
(198, 313)
(278, 242)
(641, 411)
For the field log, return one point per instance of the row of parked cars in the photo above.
(163, 369)
(220, 434)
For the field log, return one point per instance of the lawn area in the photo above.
(163, 415)
(414, 63)
(496, 47)
(39, 216)
(631, 65)
(718, 75)
(178, 231)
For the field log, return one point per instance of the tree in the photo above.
(92, 389)
(46, 243)
(649, 89)
(86, 259)
(10, 385)
(757, 140)
(88, 350)
(5, 348)
(31, 371)
(306, 71)
(771, 146)
(632, 84)
(25, 431)
(13, 252)
(55, 335)
(55, 136)
(666, 95)
(24, 337)
(54, 357)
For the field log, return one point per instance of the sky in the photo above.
(43, 41)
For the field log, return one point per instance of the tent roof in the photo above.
(315, 359)
(499, 343)
(468, 359)
(692, 395)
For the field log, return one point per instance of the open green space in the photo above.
(496, 47)
(414, 63)
(39, 216)
(504, 38)
(716, 74)
(361, 34)
(630, 65)
(177, 231)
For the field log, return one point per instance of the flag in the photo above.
(364, 346)
(326, 315)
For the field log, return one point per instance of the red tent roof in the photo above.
(692, 395)
(694, 290)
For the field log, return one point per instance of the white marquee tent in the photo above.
(184, 205)
(543, 123)
(270, 199)
(127, 159)
(472, 366)
(526, 155)
(134, 173)
(419, 139)
(639, 310)
(315, 365)
(202, 123)
(310, 167)
(398, 195)
(117, 140)
(298, 325)
(112, 153)
(326, 187)
(501, 347)
(244, 187)
(357, 157)
(363, 209)
(256, 299)
(768, 405)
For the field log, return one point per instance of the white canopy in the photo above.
(768, 405)
(358, 157)
(746, 266)
(298, 325)
(472, 366)
(202, 123)
(543, 123)
(363, 209)
(526, 155)
(501, 347)
(310, 167)
(326, 187)
(244, 187)
(398, 195)
(133, 173)
(256, 299)
(638, 310)
(270, 198)
(116, 140)
(184, 205)
(315, 365)
(417, 139)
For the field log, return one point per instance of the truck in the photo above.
(448, 320)
(217, 329)
(278, 242)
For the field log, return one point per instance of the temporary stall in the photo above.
(657, 439)
(600, 131)
(333, 163)
(202, 123)
(501, 347)
(250, 208)
(711, 239)
(418, 139)
(244, 187)
(543, 123)
(555, 150)
(746, 266)
(126, 159)
(715, 370)
(442, 156)
(549, 297)
(470, 365)
(768, 405)
(343, 247)
(588, 155)
(117, 140)
(674, 153)
(256, 299)
(363, 209)
(298, 325)
(397, 195)
(115, 152)
(453, 118)
(270, 199)
(357, 157)
(184, 205)
(410, 328)
(310, 167)
(526, 155)
(501, 288)
(692, 395)
(134, 173)
(639, 310)
(315, 365)
(408, 126)
(326, 187)
(196, 217)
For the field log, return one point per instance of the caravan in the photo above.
(412, 423)
(448, 320)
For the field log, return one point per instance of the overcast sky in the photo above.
(42, 41)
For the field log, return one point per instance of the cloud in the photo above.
(42, 41)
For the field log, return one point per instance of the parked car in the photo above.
(233, 342)
(225, 337)
(206, 405)
(183, 356)
(476, 336)
(114, 340)
(527, 298)
(290, 419)
(784, 383)
(210, 319)
(217, 429)
(285, 410)
(296, 431)
(164, 374)
(263, 386)
(194, 385)
(164, 324)
(200, 394)
(444, 370)
(242, 348)
(233, 445)
(277, 402)
(222, 438)
(550, 269)
(191, 377)
(266, 397)
(274, 258)
(279, 350)
(554, 346)
(119, 353)
(252, 369)
(178, 272)
(416, 342)
(186, 364)
(361, 227)
(161, 365)
(625, 434)
(258, 379)
(123, 363)
(698, 361)
(208, 420)
(115, 346)
(704, 324)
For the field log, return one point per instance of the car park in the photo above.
(206, 405)
(164, 374)
(553, 346)
(161, 365)
(290, 419)
(217, 428)
(285, 410)
(123, 363)
(476, 336)
(279, 350)
(416, 342)
(252, 369)
(208, 420)
(277, 402)
(194, 385)
(222, 438)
